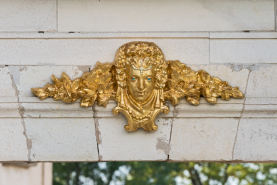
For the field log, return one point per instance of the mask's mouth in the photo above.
(141, 93)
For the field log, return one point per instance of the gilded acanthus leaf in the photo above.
(184, 82)
(96, 85)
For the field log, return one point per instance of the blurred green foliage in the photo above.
(162, 173)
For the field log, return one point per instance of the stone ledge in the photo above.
(142, 35)
(9, 110)
(103, 35)
(243, 35)
(33, 107)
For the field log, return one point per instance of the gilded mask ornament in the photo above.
(140, 80)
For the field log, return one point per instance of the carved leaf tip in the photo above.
(40, 92)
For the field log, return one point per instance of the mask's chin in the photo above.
(140, 99)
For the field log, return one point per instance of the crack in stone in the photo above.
(97, 131)
(170, 139)
(240, 115)
(21, 110)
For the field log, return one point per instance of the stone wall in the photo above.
(233, 40)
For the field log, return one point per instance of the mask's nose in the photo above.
(141, 84)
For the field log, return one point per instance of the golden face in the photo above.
(140, 84)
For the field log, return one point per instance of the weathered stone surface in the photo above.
(89, 51)
(262, 81)
(256, 141)
(62, 139)
(243, 51)
(203, 139)
(189, 15)
(6, 88)
(13, 145)
(28, 15)
(116, 144)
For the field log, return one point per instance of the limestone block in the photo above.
(6, 88)
(234, 75)
(262, 81)
(256, 141)
(243, 51)
(62, 139)
(116, 144)
(203, 139)
(89, 51)
(153, 15)
(28, 15)
(13, 145)
(204, 109)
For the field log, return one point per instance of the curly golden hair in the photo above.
(132, 53)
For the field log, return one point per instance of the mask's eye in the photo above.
(133, 79)
(149, 79)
